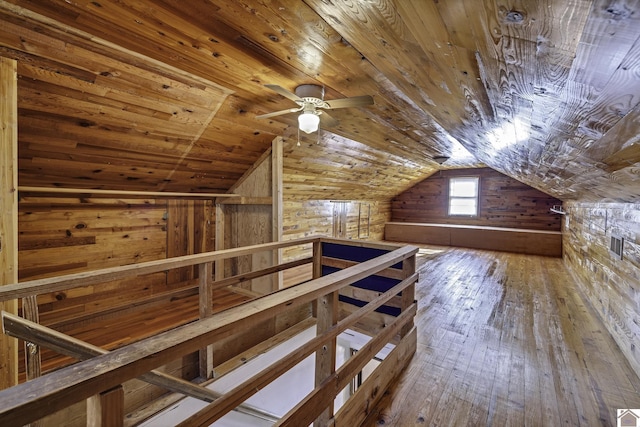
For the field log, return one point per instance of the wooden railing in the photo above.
(101, 373)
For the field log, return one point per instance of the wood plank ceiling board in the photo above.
(154, 95)
(112, 96)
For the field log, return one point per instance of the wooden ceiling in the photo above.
(161, 95)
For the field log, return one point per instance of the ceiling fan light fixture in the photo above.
(308, 122)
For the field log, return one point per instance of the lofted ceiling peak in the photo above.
(151, 95)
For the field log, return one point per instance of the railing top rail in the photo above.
(76, 280)
(30, 401)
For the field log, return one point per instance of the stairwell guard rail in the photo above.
(41, 396)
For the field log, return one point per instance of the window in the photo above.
(463, 196)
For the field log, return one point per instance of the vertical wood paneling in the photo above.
(611, 284)
(8, 210)
(503, 202)
(189, 230)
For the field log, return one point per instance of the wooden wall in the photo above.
(504, 202)
(610, 284)
(64, 235)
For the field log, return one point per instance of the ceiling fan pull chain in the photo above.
(298, 144)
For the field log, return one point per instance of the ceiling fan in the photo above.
(310, 100)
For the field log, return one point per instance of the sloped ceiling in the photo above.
(162, 95)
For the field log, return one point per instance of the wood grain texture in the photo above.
(155, 96)
(506, 339)
(502, 202)
(8, 211)
(523, 241)
(609, 283)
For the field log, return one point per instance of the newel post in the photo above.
(327, 316)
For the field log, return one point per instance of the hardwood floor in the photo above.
(506, 340)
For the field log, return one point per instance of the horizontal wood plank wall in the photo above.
(61, 236)
(315, 217)
(504, 202)
(611, 284)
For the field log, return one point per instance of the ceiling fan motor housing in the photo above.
(310, 91)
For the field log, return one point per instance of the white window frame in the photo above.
(452, 197)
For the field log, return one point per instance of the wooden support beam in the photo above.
(110, 193)
(219, 240)
(8, 211)
(327, 315)
(206, 310)
(106, 409)
(317, 260)
(246, 201)
(277, 172)
(18, 327)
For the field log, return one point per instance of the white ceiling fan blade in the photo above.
(278, 113)
(327, 120)
(282, 91)
(356, 101)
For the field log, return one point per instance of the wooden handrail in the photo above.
(30, 401)
(18, 327)
(211, 413)
(76, 280)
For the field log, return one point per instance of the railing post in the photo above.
(409, 294)
(327, 315)
(317, 259)
(106, 409)
(206, 310)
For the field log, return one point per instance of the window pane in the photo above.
(463, 196)
(463, 187)
(462, 207)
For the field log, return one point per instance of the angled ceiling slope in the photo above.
(152, 95)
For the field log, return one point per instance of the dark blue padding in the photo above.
(353, 253)
(372, 283)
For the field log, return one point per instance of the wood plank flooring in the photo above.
(135, 325)
(506, 340)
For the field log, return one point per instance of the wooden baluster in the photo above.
(409, 294)
(106, 409)
(206, 310)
